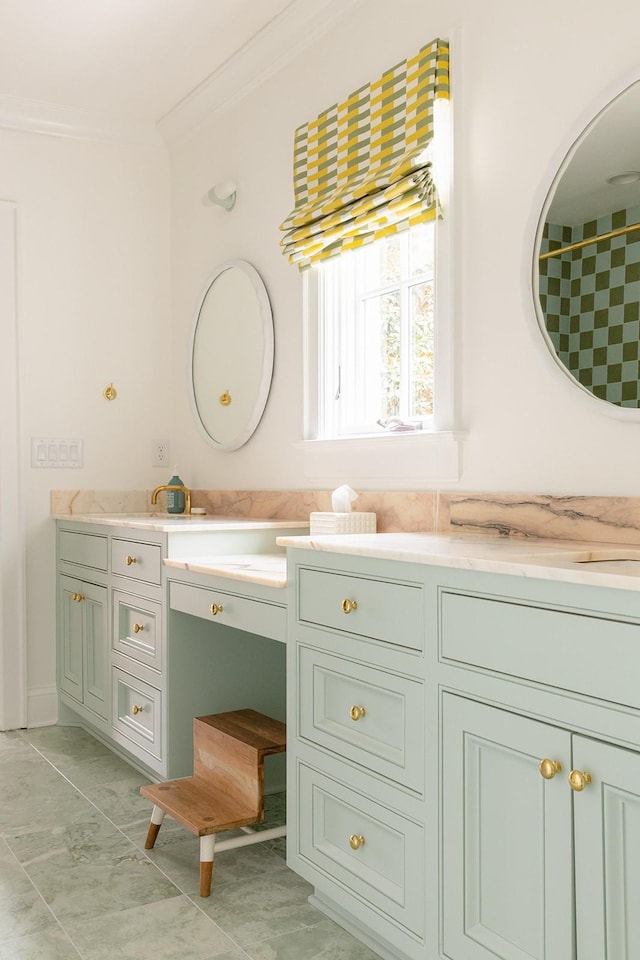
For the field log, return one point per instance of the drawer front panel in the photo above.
(561, 649)
(374, 718)
(137, 628)
(137, 711)
(243, 613)
(88, 549)
(376, 609)
(139, 561)
(385, 869)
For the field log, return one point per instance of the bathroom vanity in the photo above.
(464, 744)
(158, 618)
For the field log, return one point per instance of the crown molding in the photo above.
(284, 38)
(38, 116)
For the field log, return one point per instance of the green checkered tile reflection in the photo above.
(591, 299)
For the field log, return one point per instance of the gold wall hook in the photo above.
(110, 392)
(225, 398)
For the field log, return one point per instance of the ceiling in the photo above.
(611, 146)
(137, 61)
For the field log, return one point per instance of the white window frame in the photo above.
(401, 460)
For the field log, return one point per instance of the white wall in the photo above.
(526, 79)
(94, 307)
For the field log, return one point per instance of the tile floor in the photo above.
(76, 882)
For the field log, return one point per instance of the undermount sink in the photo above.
(610, 559)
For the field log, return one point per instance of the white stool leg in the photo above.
(207, 849)
(157, 816)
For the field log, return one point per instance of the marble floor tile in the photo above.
(77, 884)
(52, 945)
(179, 858)
(22, 909)
(172, 929)
(268, 906)
(323, 941)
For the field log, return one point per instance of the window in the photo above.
(376, 337)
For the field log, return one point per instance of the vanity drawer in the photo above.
(572, 651)
(386, 867)
(137, 628)
(88, 549)
(139, 561)
(137, 711)
(368, 716)
(376, 609)
(228, 609)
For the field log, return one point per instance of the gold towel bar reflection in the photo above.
(588, 242)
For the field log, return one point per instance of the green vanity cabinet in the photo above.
(141, 651)
(540, 814)
(356, 745)
(464, 757)
(84, 645)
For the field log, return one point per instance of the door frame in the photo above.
(13, 641)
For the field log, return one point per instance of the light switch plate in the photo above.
(55, 453)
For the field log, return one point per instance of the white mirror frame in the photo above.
(581, 131)
(264, 386)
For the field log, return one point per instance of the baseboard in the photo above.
(375, 943)
(42, 706)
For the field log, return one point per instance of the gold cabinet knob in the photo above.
(130, 560)
(356, 841)
(579, 779)
(357, 712)
(549, 768)
(349, 605)
(78, 597)
(137, 627)
(135, 709)
(216, 608)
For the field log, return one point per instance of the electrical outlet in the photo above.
(161, 453)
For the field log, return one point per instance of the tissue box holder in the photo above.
(330, 523)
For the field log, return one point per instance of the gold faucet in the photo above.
(173, 486)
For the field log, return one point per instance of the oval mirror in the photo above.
(587, 258)
(232, 355)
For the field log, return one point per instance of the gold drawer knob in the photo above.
(349, 605)
(137, 627)
(549, 768)
(130, 559)
(356, 841)
(135, 709)
(357, 712)
(216, 608)
(579, 779)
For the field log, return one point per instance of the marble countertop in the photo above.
(268, 569)
(572, 561)
(167, 523)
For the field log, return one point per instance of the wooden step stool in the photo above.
(226, 791)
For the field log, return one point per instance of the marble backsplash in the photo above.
(604, 519)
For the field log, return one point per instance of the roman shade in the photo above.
(361, 169)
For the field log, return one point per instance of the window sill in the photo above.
(403, 460)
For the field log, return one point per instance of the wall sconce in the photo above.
(221, 195)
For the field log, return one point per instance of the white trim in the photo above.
(290, 33)
(13, 643)
(53, 119)
(42, 706)
(404, 461)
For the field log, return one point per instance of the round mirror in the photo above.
(232, 355)
(587, 261)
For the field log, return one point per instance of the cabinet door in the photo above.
(70, 633)
(96, 649)
(507, 843)
(607, 840)
(84, 650)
